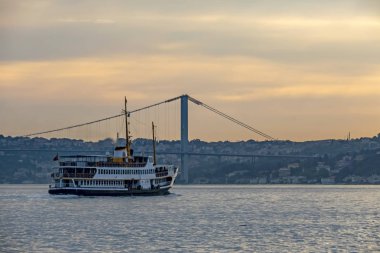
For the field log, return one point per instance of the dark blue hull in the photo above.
(107, 192)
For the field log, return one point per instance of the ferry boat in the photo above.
(119, 174)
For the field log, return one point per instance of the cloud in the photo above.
(307, 91)
(269, 96)
(298, 59)
(57, 30)
(91, 21)
(230, 78)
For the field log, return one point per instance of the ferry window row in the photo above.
(125, 172)
(161, 180)
(100, 183)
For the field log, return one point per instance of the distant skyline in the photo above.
(297, 70)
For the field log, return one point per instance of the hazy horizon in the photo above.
(190, 140)
(302, 70)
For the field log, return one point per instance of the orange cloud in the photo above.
(236, 78)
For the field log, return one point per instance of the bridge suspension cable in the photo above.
(100, 120)
(74, 126)
(197, 102)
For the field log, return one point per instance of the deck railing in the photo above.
(103, 164)
(75, 175)
(91, 175)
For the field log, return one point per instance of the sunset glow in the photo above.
(302, 71)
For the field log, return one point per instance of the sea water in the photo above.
(209, 218)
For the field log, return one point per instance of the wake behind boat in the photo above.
(119, 174)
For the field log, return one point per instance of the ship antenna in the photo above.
(154, 146)
(127, 143)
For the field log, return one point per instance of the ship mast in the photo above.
(154, 145)
(127, 141)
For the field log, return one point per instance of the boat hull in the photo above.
(107, 192)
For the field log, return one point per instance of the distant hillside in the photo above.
(341, 161)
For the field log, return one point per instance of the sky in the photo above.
(294, 69)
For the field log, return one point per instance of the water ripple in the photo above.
(194, 219)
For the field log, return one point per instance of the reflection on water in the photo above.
(193, 218)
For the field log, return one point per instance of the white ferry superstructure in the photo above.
(110, 175)
(121, 173)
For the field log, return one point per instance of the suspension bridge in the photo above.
(184, 152)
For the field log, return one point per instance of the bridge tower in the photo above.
(184, 137)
